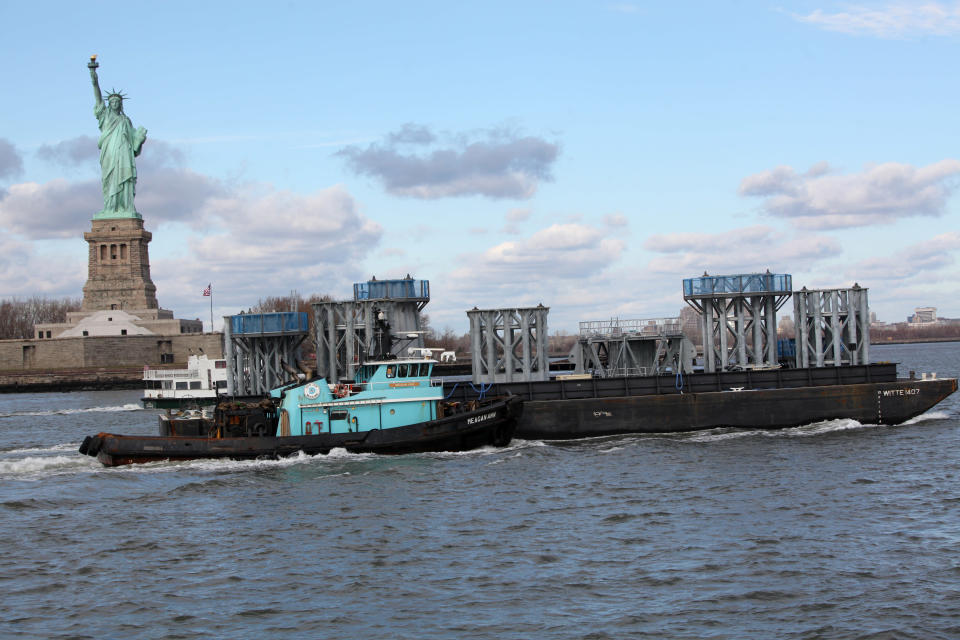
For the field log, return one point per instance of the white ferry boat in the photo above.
(197, 385)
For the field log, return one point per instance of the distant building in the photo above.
(923, 316)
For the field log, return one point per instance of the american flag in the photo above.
(208, 290)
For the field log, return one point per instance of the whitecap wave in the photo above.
(66, 412)
(42, 464)
(226, 464)
(67, 446)
(515, 444)
(812, 429)
(929, 415)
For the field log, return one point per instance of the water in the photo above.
(832, 530)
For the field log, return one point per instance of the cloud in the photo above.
(881, 194)
(745, 250)
(175, 194)
(918, 260)
(11, 163)
(271, 233)
(25, 272)
(266, 241)
(71, 153)
(513, 218)
(624, 7)
(497, 164)
(411, 133)
(561, 264)
(895, 20)
(616, 220)
(56, 209)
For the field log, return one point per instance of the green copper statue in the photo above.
(119, 144)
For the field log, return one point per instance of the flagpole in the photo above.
(211, 308)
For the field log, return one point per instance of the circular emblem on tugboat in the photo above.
(311, 391)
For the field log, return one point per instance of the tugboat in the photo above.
(391, 406)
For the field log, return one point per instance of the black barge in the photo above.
(569, 407)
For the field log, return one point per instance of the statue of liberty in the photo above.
(119, 144)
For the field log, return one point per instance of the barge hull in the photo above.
(767, 399)
(882, 403)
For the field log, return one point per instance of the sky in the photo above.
(587, 156)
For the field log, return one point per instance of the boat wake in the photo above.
(807, 430)
(928, 416)
(516, 444)
(65, 412)
(32, 467)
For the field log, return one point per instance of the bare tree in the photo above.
(17, 316)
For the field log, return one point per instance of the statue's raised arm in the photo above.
(119, 144)
(98, 97)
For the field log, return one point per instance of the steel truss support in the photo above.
(832, 327)
(509, 345)
(255, 361)
(346, 336)
(632, 348)
(738, 318)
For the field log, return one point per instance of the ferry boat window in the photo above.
(167, 384)
(196, 384)
(391, 371)
(181, 385)
(220, 364)
(403, 371)
(221, 384)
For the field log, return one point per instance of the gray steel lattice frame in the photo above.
(832, 327)
(497, 334)
(632, 355)
(615, 347)
(254, 360)
(739, 329)
(345, 333)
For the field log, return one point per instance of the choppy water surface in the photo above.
(833, 530)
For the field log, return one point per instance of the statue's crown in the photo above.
(119, 94)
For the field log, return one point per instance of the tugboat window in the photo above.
(338, 415)
(390, 371)
(403, 371)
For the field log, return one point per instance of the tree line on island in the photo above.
(18, 315)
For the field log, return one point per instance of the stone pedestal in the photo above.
(118, 266)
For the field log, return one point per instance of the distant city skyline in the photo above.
(585, 156)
